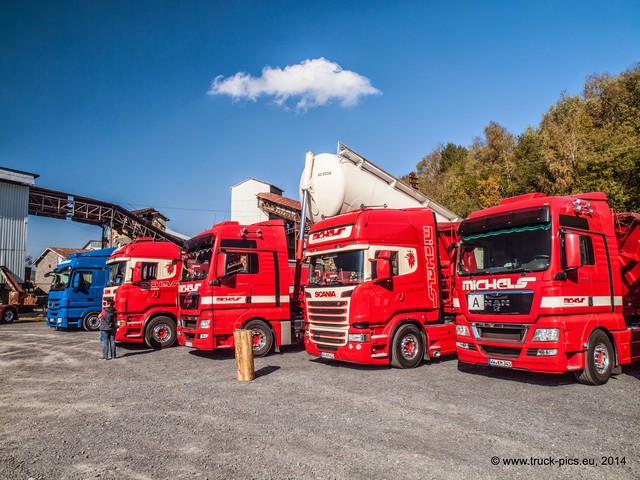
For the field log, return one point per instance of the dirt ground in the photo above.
(178, 413)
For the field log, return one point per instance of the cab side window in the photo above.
(149, 271)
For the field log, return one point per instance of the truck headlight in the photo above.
(462, 330)
(546, 335)
(205, 323)
(359, 337)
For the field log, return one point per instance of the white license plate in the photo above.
(328, 355)
(188, 344)
(500, 363)
(475, 301)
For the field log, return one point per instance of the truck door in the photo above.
(81, 294)
(234, 295)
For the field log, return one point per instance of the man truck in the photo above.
(75, 296)
(238, 276)
(550, 284)
(142, 280)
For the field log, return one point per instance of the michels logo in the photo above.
(574, 301)
(330, 234)
(324, 294)
(190, 287)
(497, 284)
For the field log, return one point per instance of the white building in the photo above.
(244, 201)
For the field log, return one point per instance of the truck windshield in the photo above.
(116, 273)
(60, 280)
(524, 248)
(336, 268)
(196, 259)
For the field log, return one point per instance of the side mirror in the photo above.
(572, 251)
(137, 274)
(76, 281)
(221, 261)
(383, 266)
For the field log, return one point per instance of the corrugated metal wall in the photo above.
(14, 210)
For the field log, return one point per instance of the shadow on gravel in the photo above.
(632, 370)
(213, 355)
(133, 349)
(355, 366)
(264, 371)
(546, 380)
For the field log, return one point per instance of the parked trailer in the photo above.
(550, 284)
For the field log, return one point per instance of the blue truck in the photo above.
(75, 297)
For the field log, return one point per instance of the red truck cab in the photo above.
(544, 284)
(380, 288)
(238, 276)
(143, 279)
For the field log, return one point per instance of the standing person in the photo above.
(107, 329)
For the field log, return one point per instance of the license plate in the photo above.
(500, 363)
(475, 301)
(327, 355)
(188, 344)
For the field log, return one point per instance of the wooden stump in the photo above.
(244, 355)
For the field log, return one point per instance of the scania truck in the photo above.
(380, 287)
(143, 279)
(75, 297)
(550, 284)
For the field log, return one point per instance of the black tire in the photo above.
(9, 315)
(160, 333)
(91, 321)
(598, 362)
(407, 349)
(261, 336)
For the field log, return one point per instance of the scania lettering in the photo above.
(550, 284)
(143, 279)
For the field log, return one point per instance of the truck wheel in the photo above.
(407, 347)
(160, 333)
(9, 315)
(91, 321)
(599, 361)
(261, 337)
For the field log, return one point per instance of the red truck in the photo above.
(238, 276)
(550, 284)
(380, 287)
(143, 279)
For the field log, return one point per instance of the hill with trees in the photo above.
(588, 142)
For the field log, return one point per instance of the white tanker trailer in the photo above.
(333, 184)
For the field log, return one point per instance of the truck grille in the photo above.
(505, 352)
(328, 322)
(189, 300)
(500, 332)
(53, 306)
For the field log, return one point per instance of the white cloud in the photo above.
(314, 82)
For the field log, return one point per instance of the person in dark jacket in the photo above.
(107, 329)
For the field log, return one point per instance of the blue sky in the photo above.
(118, 100)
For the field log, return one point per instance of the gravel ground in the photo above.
(178, 413)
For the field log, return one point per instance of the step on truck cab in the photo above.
(238, 276)
(380, 287)
(143, 279)
(550, 284)
(75, 296)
